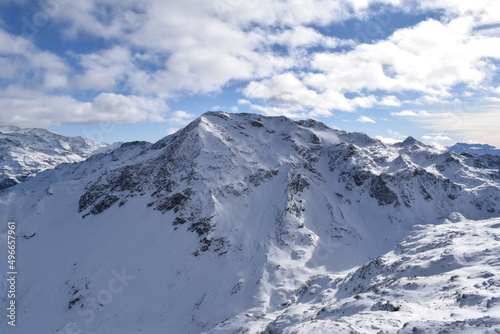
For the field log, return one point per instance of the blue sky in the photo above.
(138, 70)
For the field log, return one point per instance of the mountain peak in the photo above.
(410, 141)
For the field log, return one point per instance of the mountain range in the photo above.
(476, 149)
(241, 223)
(25, 152)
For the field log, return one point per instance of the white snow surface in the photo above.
(241, 223)
(24, 152)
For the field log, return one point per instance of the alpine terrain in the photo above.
(25, 152)
(474, 149)
(241, 223)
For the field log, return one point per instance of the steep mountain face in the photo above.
(241, 223)
(476, 149)
(25, 152)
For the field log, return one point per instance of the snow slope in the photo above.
(241, 223)
(440, 279)
(25, 152)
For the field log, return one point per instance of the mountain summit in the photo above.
(241, 223)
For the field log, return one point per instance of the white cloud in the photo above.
(411, 113)
(171, 131)
(35, 109)
(181, 117)
(388, 140)
(183, 114)
(429, 58)
(208, 44)
(389, 101)
(287, 89)
(8, 71)
(474, 125)
(204, 51)
(103, 70)
(393, 137)
(288, 111)
(300, 36)
(484, 11)
(91, 17)
(22, 61)
(438, 140)
(365, 119)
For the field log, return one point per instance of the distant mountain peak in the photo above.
(476, 149)
(410, 141)
(27, 151)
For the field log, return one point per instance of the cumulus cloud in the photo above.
(33, 109)
(301, 36)
(484, 11)
(181, 117)
(208, 44)
(389, 101)
(103, 70)
(411, 113)
(288, 89)
(438, 140)
(243, 101)
(392, 137)
(387, 140)
(365, 119)
(429, 58)
(288, 111)
(172, 131)
(22, 61)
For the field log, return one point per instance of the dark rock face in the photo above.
(173, 202)
(7, 182)
(104, 204)
(261, 176)
(381, 192)
(202, 226)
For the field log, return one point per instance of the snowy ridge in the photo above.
(241, 223)
(25, 152)
(476, 149)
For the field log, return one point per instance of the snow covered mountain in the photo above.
(241, 223)
(474, 149)
(25, 152)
